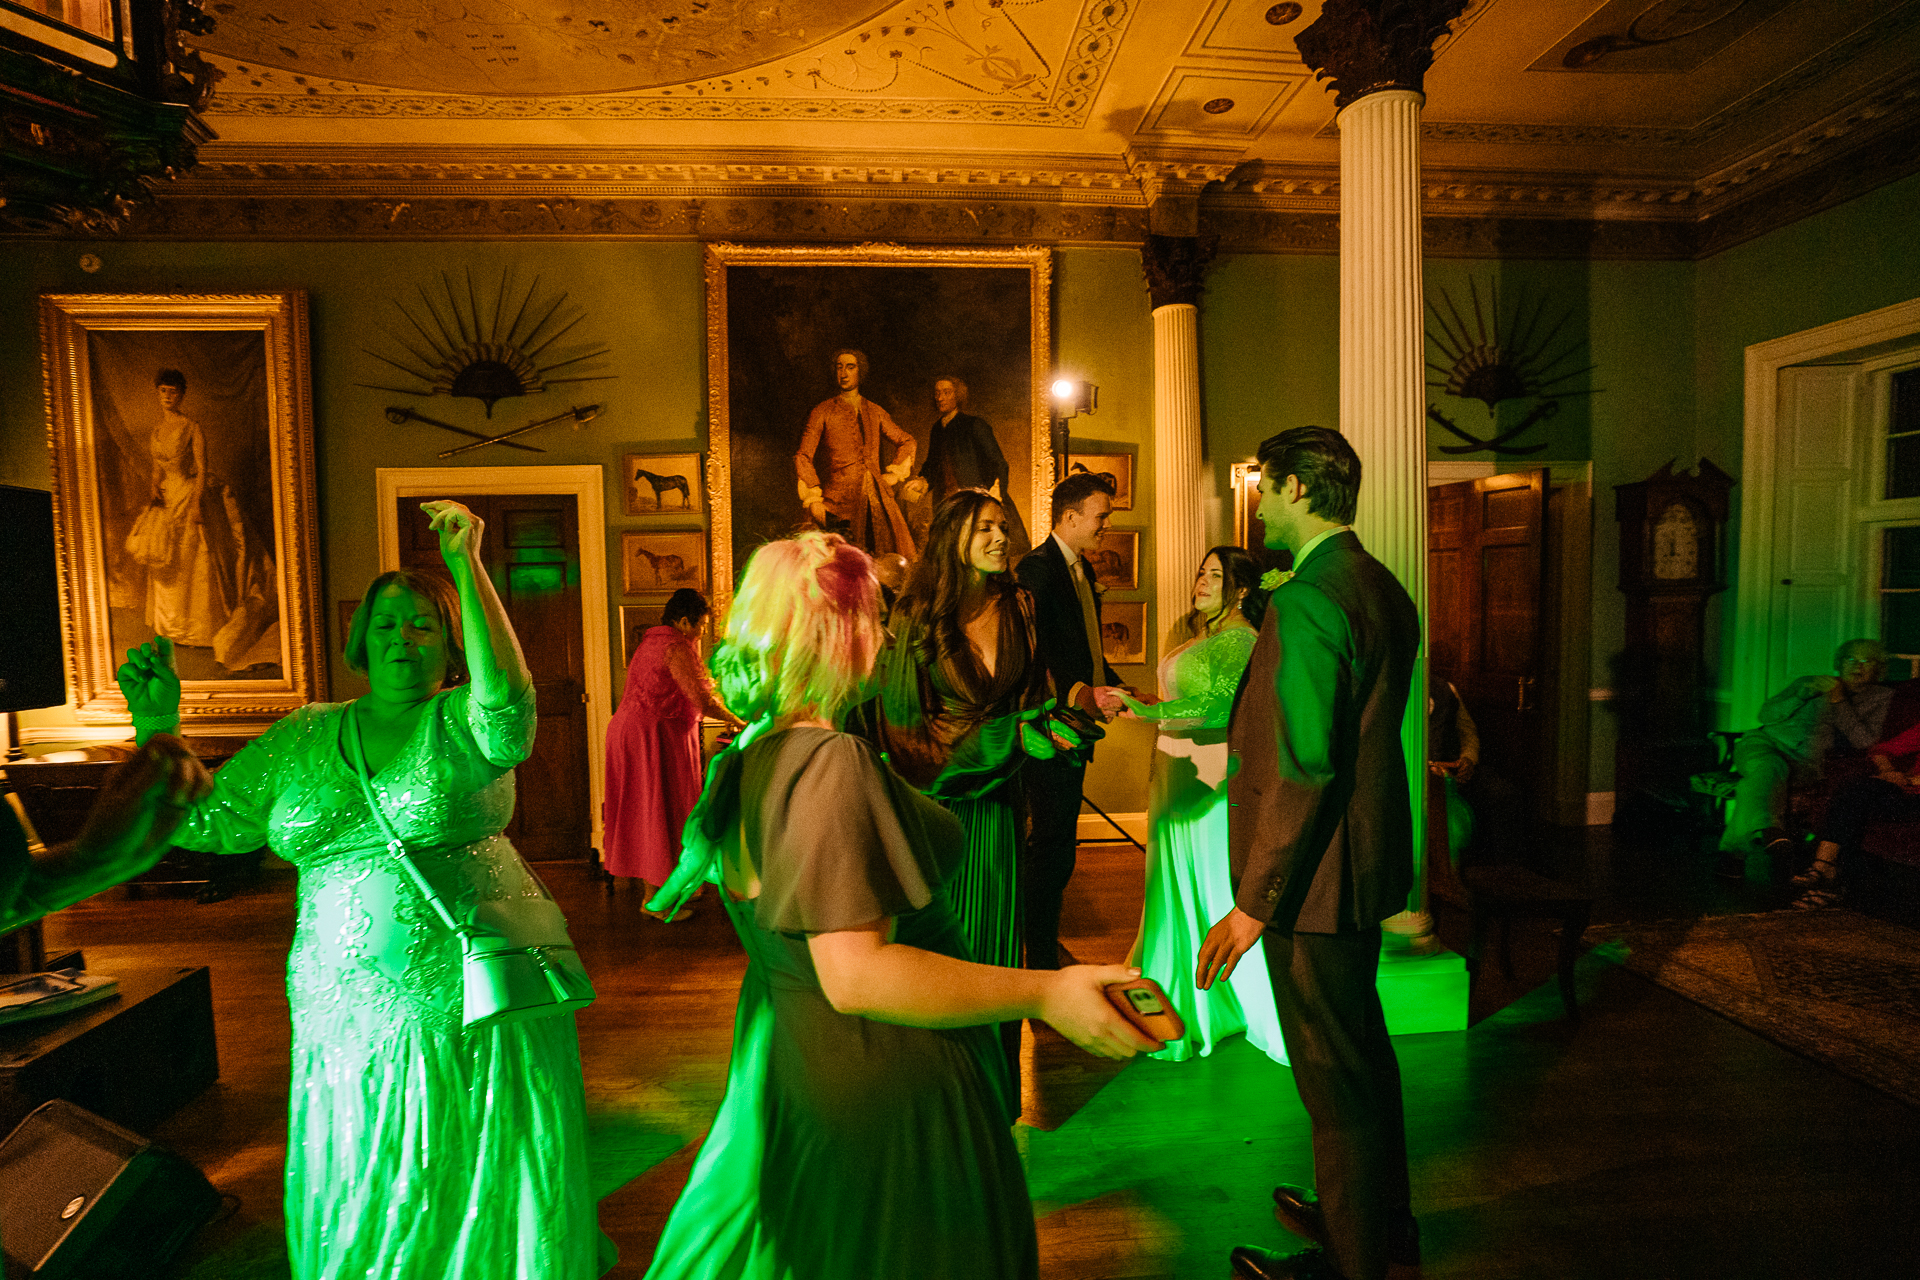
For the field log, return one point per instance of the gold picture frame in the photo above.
(1123, 631)
(775, 316)
(1115, 560)
(662, 560)
(662, 484)
(181, 428)
(1117, 467)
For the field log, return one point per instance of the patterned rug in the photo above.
(1840, 987)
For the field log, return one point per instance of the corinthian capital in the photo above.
(1365, 46)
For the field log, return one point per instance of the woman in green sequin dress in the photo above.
(1188, 885)
(417, 1150)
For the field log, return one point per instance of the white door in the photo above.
(1815, 588)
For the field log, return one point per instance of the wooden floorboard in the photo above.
(1655, 1139)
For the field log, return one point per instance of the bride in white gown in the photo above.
(1187, 880)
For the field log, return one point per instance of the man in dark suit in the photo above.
(962, 453)
(1067, 619)
(1322, 851)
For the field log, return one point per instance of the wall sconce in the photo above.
(1070, 400)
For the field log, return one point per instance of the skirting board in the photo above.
(1094, 827)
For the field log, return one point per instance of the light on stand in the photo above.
(1070, 400)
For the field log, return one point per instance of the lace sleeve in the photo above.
(690, 674)
(236, 814)
(1222, 658)
(503, 734)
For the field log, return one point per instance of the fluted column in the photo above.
(1377, 53)
(1383, 392)
(1174, 267)
(1179, 524)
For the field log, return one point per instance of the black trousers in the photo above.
(1349, 1081)
(1046, 863)
(1858, 804)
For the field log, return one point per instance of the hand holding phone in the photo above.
(1145, 1005)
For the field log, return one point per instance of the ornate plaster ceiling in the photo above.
(1617, 111)
(480, 47)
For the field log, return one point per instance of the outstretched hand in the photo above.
(148, 681)
(691, 872)
(459, 529)
(1232, 936)
(1075, 1004)
(140, 805)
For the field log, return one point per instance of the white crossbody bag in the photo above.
(517, 961)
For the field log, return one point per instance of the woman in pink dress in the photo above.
(653, 745)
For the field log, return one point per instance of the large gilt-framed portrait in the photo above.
(182, 437)
(851, 388)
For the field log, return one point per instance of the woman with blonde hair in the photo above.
(863, 1132)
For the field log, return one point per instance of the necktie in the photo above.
(1089, 616)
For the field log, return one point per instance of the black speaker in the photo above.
(84, 1199)
(31, 672)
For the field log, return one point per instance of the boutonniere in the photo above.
(1272, 578)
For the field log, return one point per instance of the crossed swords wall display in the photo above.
(579, 417)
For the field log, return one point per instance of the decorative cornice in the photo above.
(591, 171)
(1365, 46)
(255, 194)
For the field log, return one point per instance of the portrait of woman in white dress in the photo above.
(184, 601)
(187, 476)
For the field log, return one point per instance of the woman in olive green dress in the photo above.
(863, 1135)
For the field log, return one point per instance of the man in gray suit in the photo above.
(1322, 852)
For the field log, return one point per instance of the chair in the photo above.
(1507, 894)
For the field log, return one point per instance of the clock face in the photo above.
(1676, 543)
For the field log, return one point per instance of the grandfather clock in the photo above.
(1671, 546)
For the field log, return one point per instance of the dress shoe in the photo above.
(1250, 1263)
(1298, 1209)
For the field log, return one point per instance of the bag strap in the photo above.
(356, 757)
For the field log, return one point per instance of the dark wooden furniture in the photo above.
(1506, 894)
(134, 1058)
(58, 789)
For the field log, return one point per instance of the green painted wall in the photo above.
(1851, 259)
(1666, 339)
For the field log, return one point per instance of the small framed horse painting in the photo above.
(662, 561)
(663, 483)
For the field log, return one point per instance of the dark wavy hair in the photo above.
(685, 605)
(939, 580)
(1328, 468)
(433, 587)
(1238, 570)
(1076, 489)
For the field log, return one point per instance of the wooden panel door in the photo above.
(1816, 487)
(1486, 543)
(532, 548)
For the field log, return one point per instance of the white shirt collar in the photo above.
(1300, 556)
(1073, 557)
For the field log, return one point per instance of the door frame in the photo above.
(586, 484)
(1754, 578)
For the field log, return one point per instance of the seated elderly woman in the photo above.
(1892, 794)
(864, 1134)
(1799, 726)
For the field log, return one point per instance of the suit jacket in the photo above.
(1321, 822)
(1057, 619)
